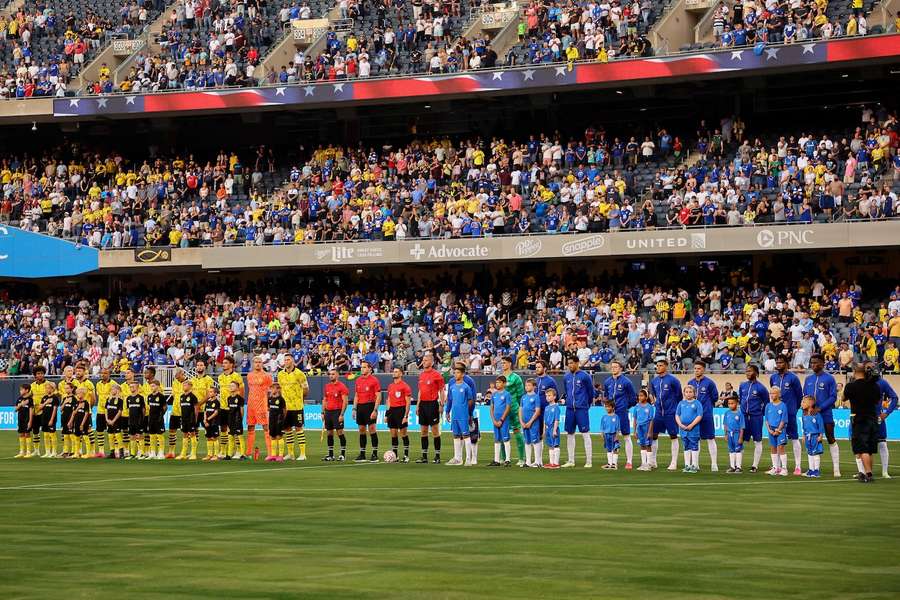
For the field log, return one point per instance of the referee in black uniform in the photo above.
(864, 396)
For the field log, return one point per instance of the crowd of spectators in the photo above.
(206, 44)
(748, 22)
(555, 31)
(42, 48)
(724, 326)
(467, 188)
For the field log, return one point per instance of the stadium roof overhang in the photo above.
(650, 244)
(712, 65)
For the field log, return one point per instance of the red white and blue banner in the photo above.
(554, 76)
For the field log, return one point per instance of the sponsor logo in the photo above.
(528, 247)
(696, 241)
(767, 238)
(152, 255)
(580, 246)
(444, 252)
(340, 254)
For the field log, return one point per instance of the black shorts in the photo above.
(294, 418)
(45, 422)
(113, 428)
(212, 430)
(333, 419)
(101, 423)
(83, 429)
(22, 425)
(864, 438)
(276, 425)
(136, 425)
(156, 423)
(395, 416)
(223, 419)
(235, 422)
(364, 414)
(429, 413)
(186, 423)
(174, 422)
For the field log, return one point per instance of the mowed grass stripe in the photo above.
(409, 531)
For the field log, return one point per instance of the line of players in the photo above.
(132, 417)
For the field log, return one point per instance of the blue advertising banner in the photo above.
(313, 416)
(26, 254)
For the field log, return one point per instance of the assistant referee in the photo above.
(864, 396)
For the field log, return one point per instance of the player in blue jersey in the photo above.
(530, 418)
(471, 441)
(753, 397)
(578, 393)
(642, 416)
(609, 429)
(666, 392)
(776, 416)
(734, 435)
(813, 434)
(707, 393)
(619, 390)
(551, 429)
(688, 415)
(791, 394)
(460, 402)
(501, 404)
(888, 406)
(821, 385)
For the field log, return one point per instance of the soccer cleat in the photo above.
(372, 459)
(405, 459)
(551, 466)
(301, 457)
(714, 469)
(327, 459)
(861, 477)
(817, 473)
(808, 473)
(783, 472)
(112, 454)
(588, 465)
(213, 458)
(493, 463)
(798, 471)
(279, 459)
(180, 457)
(341, 458)
(45, 455)
(170, 455)
(628, 466)
(754, 469)
(437, 459)
(237, 456)
(837, 474)
(885, 475)
(160, 456)
(672, 467)
(607, 466)
(506, 463)
(536, 465)
(568, 465)
(226, 457)
(520, 463)
(361, 457)
(192, 457)
(772, 471)
(422, 461)
(269, 459)
(731, 470)
(454, 462)
(20, 455)
(686, 469)
(99, 455)
(645, 468)
(653, 465)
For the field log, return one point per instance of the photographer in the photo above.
(864, 396)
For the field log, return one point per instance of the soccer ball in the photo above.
(390, 457)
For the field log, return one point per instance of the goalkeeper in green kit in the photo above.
(516, 389)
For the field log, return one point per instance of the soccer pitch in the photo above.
(116, 529)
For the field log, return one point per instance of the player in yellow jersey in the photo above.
(226, 378)
(175, 415)
(294, 388)
(39, 389)
(90, 394)
(103, 389)
(201, 384)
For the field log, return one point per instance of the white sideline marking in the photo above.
(301, 490)
(179, 476)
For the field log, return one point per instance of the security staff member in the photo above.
(864, 396)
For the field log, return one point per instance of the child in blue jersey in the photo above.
(609, 429)
(688, 415)
(551, 429)
(776, 415)
(458, 412)
(643, 415)
(813, 432)
(530, 418)
(734, 435)
(501, 403)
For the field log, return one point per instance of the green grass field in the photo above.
(115, 529)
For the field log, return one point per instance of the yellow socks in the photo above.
(301, 437)
(242, 445)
